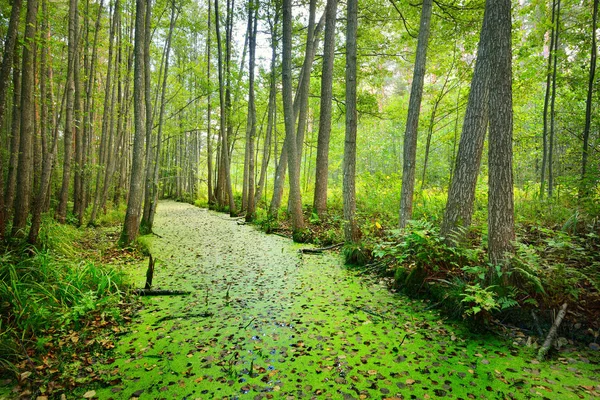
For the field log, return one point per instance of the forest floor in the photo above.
(264, 321)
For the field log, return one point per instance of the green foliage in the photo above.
(41, 290)
(356, 254)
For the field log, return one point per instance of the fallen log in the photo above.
(160, 292)
(319, 250)
(552, 333)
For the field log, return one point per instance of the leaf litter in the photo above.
(263, 321)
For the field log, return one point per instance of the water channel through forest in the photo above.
(264, 321)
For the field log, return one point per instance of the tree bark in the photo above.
(7, 64)
(251, 128)
(351, 231)
(289, 118)
(209, 148)
(48, 125)
(283, 159)
(148, 196)
(501, 224)
(412, 123)
(161, 115)
(25, 166)
(136, 189)
(461, 196)
(546, 103)
(322, 166)
(61, 211)
(271, 108)
(15, 129)
(553, 104)
(105, 145)
(584, 189)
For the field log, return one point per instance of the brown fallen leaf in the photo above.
(90, 394)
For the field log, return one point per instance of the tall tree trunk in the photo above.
(88, 117)
(15, 129)
(412, 123)
(351, 231)
(312, 43)
(48, 126)
(25, 166)
(161, 114)
(288, 108)
(10, 42)
(298, 99)
(443, 92)
(552, 104)
(322, 167)
(501, 224)
(251, 129)
(61, 211)
(546, 103)
(271, 108)
(461, 196)
(209, 148)
(136, 189)
(109, 95)
(584, 191)
(225, 188)
(145, 228)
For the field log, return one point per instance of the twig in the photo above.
(248, 324)
(320, 249)
(552, 333)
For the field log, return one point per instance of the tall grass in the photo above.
(47, 288)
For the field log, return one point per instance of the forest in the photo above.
(177, 175)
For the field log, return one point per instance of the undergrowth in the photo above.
(58, 309)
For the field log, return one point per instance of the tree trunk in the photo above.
(546, 103)
(501, 224)
(7, 63)
(251, 129)
(283, 159)
(271, 108)
(61, 211)
(48, 125)
(209, 149)
(289, 118)
(155, 173)
(461, 196)
(15, 129)
(322, 167)
(148, 196)
(105, 140)
(136, 189)
(584, 190)
(351, 231)
(25, 165)
(552, 104)
(412, 123)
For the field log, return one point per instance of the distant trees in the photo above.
(119, 107)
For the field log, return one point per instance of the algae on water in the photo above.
(265, 322)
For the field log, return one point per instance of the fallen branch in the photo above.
(205, 314)
(160, 292)
(552, 333)
(320, 249)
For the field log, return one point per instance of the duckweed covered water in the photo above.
(262, 321)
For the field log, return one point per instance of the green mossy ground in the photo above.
(262, 321)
